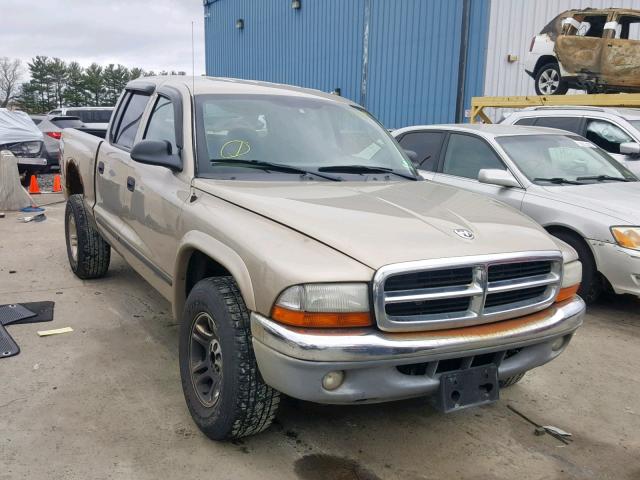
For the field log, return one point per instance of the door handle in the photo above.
(100, 168)
(131, 184)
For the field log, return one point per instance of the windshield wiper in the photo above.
(363, 169)
(269, 166)
(558, 181)
(602, 178)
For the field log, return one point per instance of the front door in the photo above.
(621, 56)
(464, 157)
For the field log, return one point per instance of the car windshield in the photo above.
(635, 123)
(562, 159)
(283, 137)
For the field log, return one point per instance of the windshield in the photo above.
(278, 137)
(635, 123)
(557, 159)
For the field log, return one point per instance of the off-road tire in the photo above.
(591, 284)
(245, 405)
(551, 69)
(511, 380)
(93, 252)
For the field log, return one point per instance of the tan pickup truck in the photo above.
(303, 254)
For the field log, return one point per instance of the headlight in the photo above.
(324, 305)
(571, 277)
(32, 147)
(627, 237)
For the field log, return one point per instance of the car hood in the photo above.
(617, 199)
(383, 223)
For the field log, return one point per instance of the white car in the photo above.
(574, 189)
(596, 50)
(615, 130)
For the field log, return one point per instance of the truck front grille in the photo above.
(463, 291)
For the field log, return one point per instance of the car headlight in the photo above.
(571, 277)
(324, 305)
(627, 237)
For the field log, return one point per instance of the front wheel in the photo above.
(591, 283)
(549, 81)
(222, 386)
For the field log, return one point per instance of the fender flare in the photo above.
(217, 251)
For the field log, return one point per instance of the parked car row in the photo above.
(569, 185)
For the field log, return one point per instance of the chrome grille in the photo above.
(463, 291)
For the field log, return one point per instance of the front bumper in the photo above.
(621, 266)
(381, 366)
(36, 162)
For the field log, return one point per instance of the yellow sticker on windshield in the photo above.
(235, 149)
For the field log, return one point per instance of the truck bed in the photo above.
(79, 151)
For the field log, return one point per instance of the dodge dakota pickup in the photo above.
(303, 254)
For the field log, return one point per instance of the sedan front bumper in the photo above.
(380, 366)
(621, 266)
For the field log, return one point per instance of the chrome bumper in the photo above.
(42, 162)
(295, 360)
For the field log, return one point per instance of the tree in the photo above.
(58, 74)
(136, 73)
(94, 84)
(115, 79)
(75, 93)
(41, 82)
(10, 76)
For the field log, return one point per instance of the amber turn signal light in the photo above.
(567, 293)
(320, 319)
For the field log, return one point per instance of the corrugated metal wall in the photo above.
(511, 28)
(413, 47)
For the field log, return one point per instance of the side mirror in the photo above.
(503, 178)
(156, 152)
(630, 148)
(413, 156)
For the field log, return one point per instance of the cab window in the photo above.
(161, 124)
(467, 155)
(129, 122)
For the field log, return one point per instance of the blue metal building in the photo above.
(406, 61)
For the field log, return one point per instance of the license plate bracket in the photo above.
(466, 388)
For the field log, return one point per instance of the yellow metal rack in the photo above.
(478, 104)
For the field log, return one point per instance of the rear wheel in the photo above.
(549, 81)
(222, 386)
(89, 254)
(591, 283)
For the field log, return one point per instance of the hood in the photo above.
(383, 223)
(616, 199)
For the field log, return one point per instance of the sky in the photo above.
(150, 34)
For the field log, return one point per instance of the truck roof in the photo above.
(220, 85)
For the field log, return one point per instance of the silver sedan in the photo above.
(571, 187)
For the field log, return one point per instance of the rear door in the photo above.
(621, 57)
(114, 170)
(579, 48)
(463, 158)
(427, 145)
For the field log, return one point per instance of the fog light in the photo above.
(557, 344)
(333, 380)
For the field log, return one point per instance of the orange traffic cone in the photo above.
(33, 185)
(57, 187)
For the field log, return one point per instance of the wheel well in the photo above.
(202, 266)
(553, 229)
(543, 61)
(72, 180)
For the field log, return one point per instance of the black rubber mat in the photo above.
(14, 312)
(43, 312)
(8, 347)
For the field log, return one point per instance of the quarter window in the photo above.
(128, 125)
(427, 147)
(467, 155)
(162, 123)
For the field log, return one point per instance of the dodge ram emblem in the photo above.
(464, 233)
